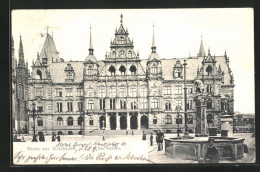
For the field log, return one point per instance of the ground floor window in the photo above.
(40, 121)
(70, 133)
(168, 119)
(154, 120)
(91, 121)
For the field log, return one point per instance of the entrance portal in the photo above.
(123, 121)
(102, 122)
(144, 122)
(133, 122)
(112, 122)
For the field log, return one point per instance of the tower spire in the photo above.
(121, 21)
(21, 54)
(90, 44)
(153, 42)
(201, 50)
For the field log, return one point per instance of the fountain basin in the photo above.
(195, 148)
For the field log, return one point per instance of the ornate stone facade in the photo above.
(124, 92)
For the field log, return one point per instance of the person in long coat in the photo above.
(53, 137)
(212, 154)
(151, 139)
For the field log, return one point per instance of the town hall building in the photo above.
(124, 92)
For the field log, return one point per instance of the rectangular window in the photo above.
(102, 104)
(69, 92)
(59, 107)
(40, 109)
(143, 104)
(40, 121)
(209, 88)
(123, 92)
(143, 92)
(102, 92)
(167, 90)
(189, 104)
(133, 92)
(190, 90)
(178, 103)
(38, 92)
(178, 90)
(112, 103)
(69, 107)
(80, 106)
(79, 92)
(112, 92)
(178, 120)
(58, 92)
(168, 105)
(90, 105)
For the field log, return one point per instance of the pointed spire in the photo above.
(90, 44)
(21, 54)
(201, 51)
(153, 43)
(225, 54)
(121, 21)
(208, 51)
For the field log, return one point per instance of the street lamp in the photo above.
(178, 119)
(33, 113)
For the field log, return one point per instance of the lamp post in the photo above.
(33, 113)
(186, 133)
(178, 119)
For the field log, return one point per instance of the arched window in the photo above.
(90, 70)
(114, 54)
(155, 103)
(209, 104)
(80, 120)
(39, 121)
(60, 121)
(91, 104)
(70, 121)
(122, 70)
(154, 69)
(168, 119)
(130, 54)
(39, 73)
(177, 73)
(112, 70)
(70, 133)
(133, 70)
(91, 121)
(209, 70)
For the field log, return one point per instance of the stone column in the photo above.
(107, 122)
(117, 122)
(128, 121)
(201, 124)
(139, 121)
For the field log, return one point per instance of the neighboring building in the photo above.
(124, 92)
(20, 75)
(244, 123)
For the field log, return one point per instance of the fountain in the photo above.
(194, 148)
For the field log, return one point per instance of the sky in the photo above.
(177, 34)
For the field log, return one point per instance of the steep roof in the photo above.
(58, 75)
(49, 50)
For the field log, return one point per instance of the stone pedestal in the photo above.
(226, 125)
(201, 124)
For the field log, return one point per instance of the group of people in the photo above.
(159, 139)
(54, 137)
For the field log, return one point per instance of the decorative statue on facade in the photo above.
(199, 86)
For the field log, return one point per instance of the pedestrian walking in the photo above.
(103, 138)
(151, 139)
(159, 139)
(41, 137)
(126, 132)
(132, 132)
(212, 154)
(58, 138)
(144, 136)
(53, 137)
